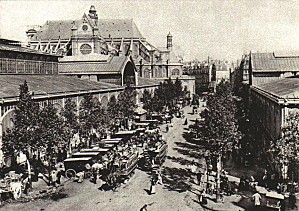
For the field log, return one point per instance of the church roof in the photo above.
(49, 84)
(118, 28)
(113, 65)
(262, 62)
(108, 28)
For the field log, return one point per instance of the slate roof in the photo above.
(62, 29)
(42, 84)
(282, 88)
(16, 48)
(147, 82)
(262, 62)
(112, 66)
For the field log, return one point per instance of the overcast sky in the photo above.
(218, 28)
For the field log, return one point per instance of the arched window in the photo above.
(147, 73)
(175, 72)
(85, 49)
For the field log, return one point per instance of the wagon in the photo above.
(152, 123)
(125, 135)
(274, 200)
(161, 153)
(76, 165)
(118, 171)
(102, 151)
(11, 184)
(154, 156)
(95, 155)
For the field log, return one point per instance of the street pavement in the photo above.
(178, 192)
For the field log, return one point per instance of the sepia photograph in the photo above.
(149, 105)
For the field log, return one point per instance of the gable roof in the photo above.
(282, 88)
(113, 65)
(49, 84)
(108, 28)
(118, 28)
(268, 62)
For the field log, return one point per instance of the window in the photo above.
(84, 27)
(85, 49)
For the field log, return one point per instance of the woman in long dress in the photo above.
(153, 186)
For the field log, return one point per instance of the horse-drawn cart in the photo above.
(76, 165)
(12, 184)
(119, 170)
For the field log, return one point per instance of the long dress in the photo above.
(153, 187)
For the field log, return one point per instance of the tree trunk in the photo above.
(218, 172)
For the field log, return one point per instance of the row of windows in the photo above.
(27, 66)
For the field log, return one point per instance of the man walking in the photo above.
(257, 200)
(199, 175)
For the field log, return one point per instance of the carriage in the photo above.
(75, 165)
(12, 184)
(119, 170)
(154, 155)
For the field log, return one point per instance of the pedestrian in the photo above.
(80, 176)
(167, 128)
(292, 200)
(257, 200)
(160, 181)
(53, 177)
(199, 175)
(153, 186)
(144, 208)
(202, 197)
(186, 122)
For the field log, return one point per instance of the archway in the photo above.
(7, 120)
(175, 72)
(129, 74)
(104, 102)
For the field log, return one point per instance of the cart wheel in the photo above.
(88, 174)
(70, 173)
(17, 193)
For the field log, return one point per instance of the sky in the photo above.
(220, 29)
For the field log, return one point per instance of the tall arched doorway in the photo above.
(129, 74)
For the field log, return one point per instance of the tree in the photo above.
(178, 88)
(127, 103)
(285, 150)
(147, 100)
(220, 127)
(90, 118)
(24, 136)
(112, 111)
(70, 119)
(53, 137)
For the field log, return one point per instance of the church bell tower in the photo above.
(169, 42)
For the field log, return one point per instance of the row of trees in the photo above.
(166, 95)
(219, 128)
(46, 131)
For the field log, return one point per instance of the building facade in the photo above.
(270, 104)
(40, 71)
(258, 68)
(92, 35)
